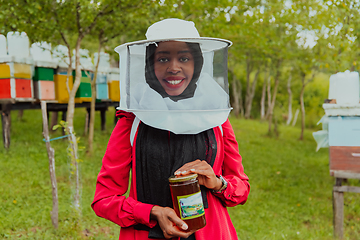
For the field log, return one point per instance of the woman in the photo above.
(165, 60)
(174, 74)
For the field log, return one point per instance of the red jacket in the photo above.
(113, 181)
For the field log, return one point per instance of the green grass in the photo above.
(290, 198)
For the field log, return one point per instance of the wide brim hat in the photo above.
(173, 29)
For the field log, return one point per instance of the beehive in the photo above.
(61, 90)
(16, 68)
(44, 90)
(5, 85)
(16, 82)
(23, 89)
(44, 86)
(5, 71)
(83, 93)
(44, 74)
(5, 88)
(114, 85)
(344, 142)
(22, 70)
(114, 91)
(101, 86)
(102, 91)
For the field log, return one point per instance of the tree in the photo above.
(70, 21)
(127, 23)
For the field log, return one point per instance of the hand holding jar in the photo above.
(206, 175)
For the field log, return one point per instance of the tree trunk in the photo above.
(302, 108)
(235, 95)
(268, 91)
(54, 120)
(250, 97)
(295, 117)
(75, 171)
(6, 123)
(87, 120)
(273, 99)
(51, 155)
(248, 89)
(263, 97)
(289, 117)
(70, 128)
(92, 106)
(241, 102)
(71, 104)
(302, 105)
(20, 114)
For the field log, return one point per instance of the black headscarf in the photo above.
(154, 83)
(159, 153)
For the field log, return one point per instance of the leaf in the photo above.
(56, 127)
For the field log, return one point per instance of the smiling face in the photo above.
(173, 66)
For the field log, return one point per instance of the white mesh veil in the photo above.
(203, 104)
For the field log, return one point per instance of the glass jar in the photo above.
(187, 200)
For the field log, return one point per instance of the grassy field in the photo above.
(291, 190)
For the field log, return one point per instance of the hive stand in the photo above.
(6, 107)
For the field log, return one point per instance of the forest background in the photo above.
(279, 66)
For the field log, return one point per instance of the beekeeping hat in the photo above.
(178, 30)
(208, 104)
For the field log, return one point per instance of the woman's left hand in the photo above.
(206, 175)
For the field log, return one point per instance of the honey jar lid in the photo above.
(174, 179)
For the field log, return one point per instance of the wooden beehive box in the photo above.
(61, 89)
(16, 68)
(16, 82)
(114, 85)
(5, 88)
(5, 84)
(44, 86)
(344, 144)
(83, 93)
(102, 92)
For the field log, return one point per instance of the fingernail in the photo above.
(177, 172)
(184, 226)
(184, 172)
(193, 169)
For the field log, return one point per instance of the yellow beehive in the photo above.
(5, 71)
(22, 70)
(114, 90)
(61, 91)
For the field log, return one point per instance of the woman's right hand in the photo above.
(169, 222)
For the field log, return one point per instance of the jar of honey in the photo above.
(187, 200)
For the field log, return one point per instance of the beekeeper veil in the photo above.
(175, 80)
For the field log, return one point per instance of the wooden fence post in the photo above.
(6, 123)
(338, 205)
(51, 155)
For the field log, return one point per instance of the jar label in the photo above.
(191, 206)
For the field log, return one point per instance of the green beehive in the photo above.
(84, 92)
(43, 74)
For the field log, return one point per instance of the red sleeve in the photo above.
(238, 187)
(113, 180)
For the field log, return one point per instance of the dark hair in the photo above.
(154, 83)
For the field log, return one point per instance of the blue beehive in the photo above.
(344, 131)
(102, 90)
